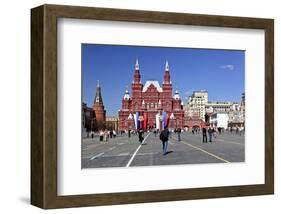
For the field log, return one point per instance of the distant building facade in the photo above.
(111, 123)
(242, 107)
(198, 101)
(237, 114)
(219, 120)
(213, 107)
(192, 117)
(87, 115)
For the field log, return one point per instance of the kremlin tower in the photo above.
(98, 108)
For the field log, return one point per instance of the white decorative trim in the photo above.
(155, 83)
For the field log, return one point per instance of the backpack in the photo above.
(163, 137)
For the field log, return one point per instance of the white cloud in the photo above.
(227, 67)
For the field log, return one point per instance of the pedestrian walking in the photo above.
(155, 132)
(204, 133)
(164, 137)
(214, 133)
(241, 130)
(179, 134)
(237, 130)
(101, 135)
(210, 132)
(140, 132)
(105, 135)
(114, 134)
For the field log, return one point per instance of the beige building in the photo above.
(191, 111)
(213, 107)
(198, 104)
(111, 123)
(198, 101)
(242, 107)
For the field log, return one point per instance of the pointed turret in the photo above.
(177, 103)
(98, 97)
(167, 94)
(137, 65)
(126, 95)
(137, 87)
(167, 66)
(137, 72)
(177, 95)
(167, 78)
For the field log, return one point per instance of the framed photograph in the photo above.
(135, 106)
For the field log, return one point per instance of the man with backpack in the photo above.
(164, 137)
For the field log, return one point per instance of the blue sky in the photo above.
(220, 72)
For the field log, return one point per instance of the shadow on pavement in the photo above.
(169, 152)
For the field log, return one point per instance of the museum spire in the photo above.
(137, 72)
(167, 73)
(137, 64)
(167, 66)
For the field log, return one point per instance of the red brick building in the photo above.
(151, 105)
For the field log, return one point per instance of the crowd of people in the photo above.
(211, 133)
(208, 134)
(104, 134)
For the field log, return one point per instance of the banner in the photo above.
(167, 119)
(145, 120)
(136, 119)
(157, 121)
(164, 119)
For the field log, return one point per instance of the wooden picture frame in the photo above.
(44, 106)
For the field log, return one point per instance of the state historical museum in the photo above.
(151, 105)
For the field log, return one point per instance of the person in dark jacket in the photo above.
(210, 132)
(204, 132)
(140, 133)
(164, 137)
(179, 134)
